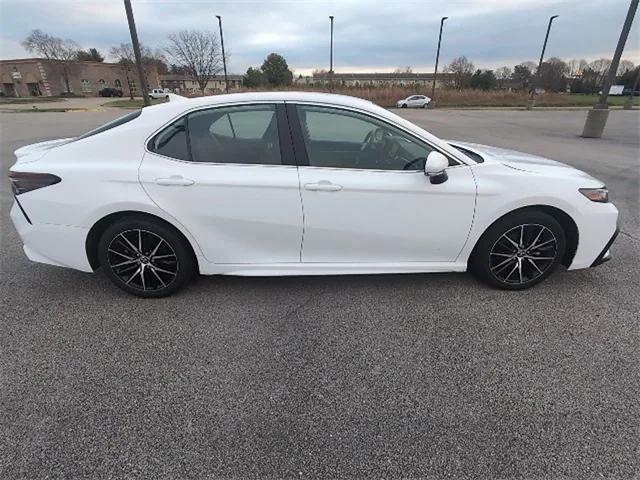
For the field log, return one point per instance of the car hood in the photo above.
(523, 161)
(513, 157)
(35, 151)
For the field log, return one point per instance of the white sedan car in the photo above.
(298, 184)
(414, 101)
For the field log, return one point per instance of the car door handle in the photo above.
(323, 186)
(175, 181)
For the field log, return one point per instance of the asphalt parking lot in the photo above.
(412, 376)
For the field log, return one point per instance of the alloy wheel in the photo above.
(143, 260)
(523, 253)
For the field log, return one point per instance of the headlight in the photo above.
(600, 195)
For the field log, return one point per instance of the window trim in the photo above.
(301, 148)
(287, 156)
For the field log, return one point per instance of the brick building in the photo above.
(34, 77)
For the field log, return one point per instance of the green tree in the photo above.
(483, 80)
(628, 78)
(91, 55)
(522, 74)
(254, 78)
(276, 70)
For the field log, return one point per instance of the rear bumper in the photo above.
(59, 245)
(605, 255)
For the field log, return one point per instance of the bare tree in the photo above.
(624, 67)
(55, 49)
(406, 69)
(462, 70)
(502, 74)
(600, 68)
(197, 51)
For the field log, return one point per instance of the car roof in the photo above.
(276, 96)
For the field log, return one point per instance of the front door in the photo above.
(228, 183)
(366, 198)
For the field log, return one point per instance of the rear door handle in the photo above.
(175, 181)
(323, 186)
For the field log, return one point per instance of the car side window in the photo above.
(172, 141)
(244, 134)
(337, 138)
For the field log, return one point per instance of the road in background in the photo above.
(383, 376)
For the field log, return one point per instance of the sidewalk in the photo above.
(80, 103)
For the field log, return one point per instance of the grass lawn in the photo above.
(128, 103)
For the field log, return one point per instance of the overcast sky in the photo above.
(369, 35)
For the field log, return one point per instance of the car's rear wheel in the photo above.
(145, 258)
(519, 250)
(404, 105)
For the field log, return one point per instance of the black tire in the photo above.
(404, 105)
(528, 262)
(167, 263)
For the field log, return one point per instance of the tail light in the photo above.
(22, 182)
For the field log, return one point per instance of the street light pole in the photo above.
(544, 47)
(598, 115)
(331, 48)
(224, 57)
(435, 72)
(136, 52)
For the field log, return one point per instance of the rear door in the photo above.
(228, 175)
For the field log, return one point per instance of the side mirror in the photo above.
(435, 167)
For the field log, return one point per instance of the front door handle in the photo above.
(175, 181)
(323, 186)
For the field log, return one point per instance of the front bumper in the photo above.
(605, 255)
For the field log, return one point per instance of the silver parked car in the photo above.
(414, 101)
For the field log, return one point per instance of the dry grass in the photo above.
(388, 96)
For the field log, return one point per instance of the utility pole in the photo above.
(598, 115)
(536, 78)
(331, 56)
(435, 71)
(224, 57)
(136, 51)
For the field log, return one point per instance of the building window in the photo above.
(85, 85)
(118, 84)
(102, 84)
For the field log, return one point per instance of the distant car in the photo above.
(414, 101)
(290, 183)
(158, 93)
(110, 92)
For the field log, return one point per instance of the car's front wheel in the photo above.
(145, 258)
(404, 105)
(519, 250)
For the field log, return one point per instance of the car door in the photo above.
(228, 175)
(413, 101)
(375, 204)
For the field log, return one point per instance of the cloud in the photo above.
(369, 35)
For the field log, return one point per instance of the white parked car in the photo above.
(414, 101)
(298, 184)
(158, 93)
